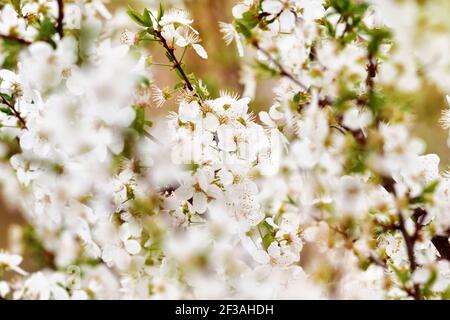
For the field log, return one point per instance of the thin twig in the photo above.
(283, 72)
(59, 26)
(177, 64)
(371, 74)
(16, 113)
(378, 261)
(16, 39)
(410, 242)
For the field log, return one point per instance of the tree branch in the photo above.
(281, 69)
(177, 64)
(59, 26)
(410, 242)
(16, 113)
(372, 68)
(16, 39)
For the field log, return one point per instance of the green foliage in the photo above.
(249, 20)
(404, 275)
(11, 50)
(136, 17)
(160, 12)
(147, 19)
(356, 156)
(267, 234)
(17, 6)
(140, 123)
(377, 38)
(427, 287)
(426, 194)
(352, 14)
(46, 29)
(263, 69)
(5, 109)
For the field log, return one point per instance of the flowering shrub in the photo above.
(327, 194)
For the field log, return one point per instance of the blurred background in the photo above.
(222, 72)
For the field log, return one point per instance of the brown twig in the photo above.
(410, 242)
(378, 261)
(442, 244)
(16, 39)
(372, 68)
(177, 64)
(283, 72)
(16, 113)
(59, 26)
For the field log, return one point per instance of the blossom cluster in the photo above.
(326, 194)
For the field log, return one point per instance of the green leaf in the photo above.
(6, 97)
(160, 12)
(147, 19)
(6, 111)
(179, 85)
(377, 38)
(46, 30)
(135, 16)
(446, 293)
(267, 240)
(11, 50)
(242, 29)
(250, 19)
(301, 98)
(430, 188)
(427, 287)
(139, 122)
(17, 6)
(169, 56)
(330, 28)
(403, 275)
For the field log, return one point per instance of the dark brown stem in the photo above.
(16, 39)
(59, 26)
(378, 261)
(177, 63)
(442, 244)
(410, 242)
(16, 113)
(283, 72)
(371, 74)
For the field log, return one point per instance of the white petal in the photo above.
(199, 202)
(238, 10)
(265, 118)
(226, 177)
(215, 192)
(275, 114)
(200, 50)
(124, 231)
(181, 41)
(79, 295)
(121, 258)
(188, 111)
(27, 140)
(287, 21)
(132, 246)
(203, 181)
(184, 193)
(261, 256)
(239, 45)
(272, 6)
(210, 122)
(226, 139)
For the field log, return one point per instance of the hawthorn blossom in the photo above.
(313, 183)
